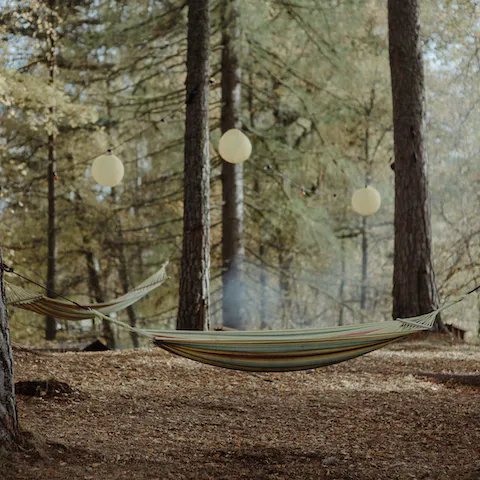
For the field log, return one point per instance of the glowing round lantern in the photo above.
(234, 146)
(366, 201)
(108, 170)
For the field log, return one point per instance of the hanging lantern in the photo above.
(108, 170)
(234, 146)
(366, 201)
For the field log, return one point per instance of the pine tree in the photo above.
(193, 311)
(233, 243)
(414, 288)
(8, 409)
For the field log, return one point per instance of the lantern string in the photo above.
(268, 169)
(272, 172)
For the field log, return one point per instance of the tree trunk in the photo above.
(233, 247)
(194, 301)
(123, 275)
(96, 289)
(261, 248)
(363, 288)
(8, 408)
(414, 289)
(341, 288)
(285, 282)
(50, 322)
(94, 283)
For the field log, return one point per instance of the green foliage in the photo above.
(316, 104)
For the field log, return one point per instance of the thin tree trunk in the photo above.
(123, 274)
(341, 289)
(50, 322)
(363, 288)
(262, 274)
(285, 261)
(8, 408)
(414, 289)
(94, 283)
(233, 246)
(261, 249)
(194, 301)
(96, 289)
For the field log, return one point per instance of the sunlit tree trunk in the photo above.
(414, 289)
(8, 409)
(233, 248)
(194, 301)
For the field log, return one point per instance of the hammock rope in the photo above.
(282, 350)
(68, 309)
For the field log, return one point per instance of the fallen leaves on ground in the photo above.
(147, 415)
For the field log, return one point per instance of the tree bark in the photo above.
(363, 288)
(414, 289)
(97, 292)
(8, 408)
(341, 288)
(94, 282)
(123, 274)
(233, 244)
(285, 261)
(194, 301)
(50, 322)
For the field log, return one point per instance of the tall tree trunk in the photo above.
(50, 322)
(261, 248)
(233, 245)
(194, 301)
(414, 289)
(8, 408)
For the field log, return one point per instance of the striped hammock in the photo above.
(288, 350)
(57, 308)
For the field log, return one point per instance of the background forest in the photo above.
(86, 76)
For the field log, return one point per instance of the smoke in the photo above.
(270, 297)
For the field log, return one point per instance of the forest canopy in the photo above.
(80, 77)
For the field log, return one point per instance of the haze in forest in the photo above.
(316, 104)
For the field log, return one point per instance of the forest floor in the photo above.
(149, 415)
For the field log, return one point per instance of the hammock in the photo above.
(39, 303)
(288, 350)
(254, 351)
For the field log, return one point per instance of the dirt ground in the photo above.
(149, 415)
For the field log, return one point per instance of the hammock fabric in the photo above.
(39, 303)
(288, 350)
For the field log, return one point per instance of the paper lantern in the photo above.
(366, 201)
(234, 146)
(108, 170)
